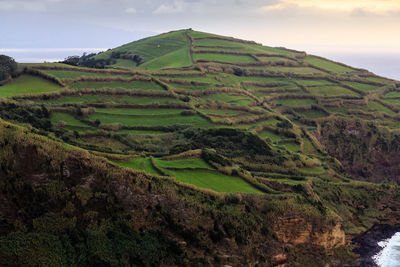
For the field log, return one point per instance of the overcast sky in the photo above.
(317, 26)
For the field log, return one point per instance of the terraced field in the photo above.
(190, 84)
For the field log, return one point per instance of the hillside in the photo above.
(215, 150)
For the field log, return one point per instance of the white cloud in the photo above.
(173, 8)
(130, 10)
(6, 6)
(33, 6)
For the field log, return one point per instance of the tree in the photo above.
(8, 67)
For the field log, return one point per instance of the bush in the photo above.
(8, 67)
(188, 113)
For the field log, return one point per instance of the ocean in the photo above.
(383, 64)
(39, 55)
(389, 256)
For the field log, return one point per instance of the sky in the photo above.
(356, 29)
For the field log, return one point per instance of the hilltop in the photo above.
(212, 149)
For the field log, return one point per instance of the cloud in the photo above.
(173, 8)
(6, 6)
(35, 7)
(367, 6)
(130, 10)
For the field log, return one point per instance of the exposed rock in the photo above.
(279, 260)
(297, 230)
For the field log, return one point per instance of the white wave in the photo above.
(389, 256)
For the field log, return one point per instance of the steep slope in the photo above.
(167, 50)
(63, 206)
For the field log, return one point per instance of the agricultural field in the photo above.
(72, 74)
(147, 118)
(70, 122)
(143, 164)
(362, 86)
(223, 58)
(28, 84)
(214, 181)
(125, 85)
(327, 65)
(231, 98)
(165, 103)
(106, 99)
(331, 91)
(292, 102)
(185, 163)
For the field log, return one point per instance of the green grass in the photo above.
(296, 70)
(140, 117)
(394, 94)
(139, 112)
(393, 101)
(362, 86)
(140, 132)
(317, 170)
(308, 147)
(312, 114)
(331, 91)
(209, 78)
(291, 102)
(143, 164)
(242, 47)
(191, 86)
(197, 34)
(189, 163)
(176, 59)
(68, 119)
(230, 98)
(224, 58)
(213, 180)
(153, 47)
(221, 112)
(110, 100)
(379, 80)
(292, 147)
(375, 106)
(268, 134)
(327, 65)
(71, 74)
(125, 85)
(28, 84)
(275, 59)
(312, 82)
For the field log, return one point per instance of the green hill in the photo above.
(200, 148)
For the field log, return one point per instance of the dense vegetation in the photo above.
(8, 67)
(189, 148)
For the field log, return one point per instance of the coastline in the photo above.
(367, 242)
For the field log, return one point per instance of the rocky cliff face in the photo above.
(366, 151)
(296, 231)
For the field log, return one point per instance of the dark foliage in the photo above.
(88, 60)
(228, 142)
(127, 55)
(38, 117)
(8, 67)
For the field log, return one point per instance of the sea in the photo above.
(40, 55)
(389, 255)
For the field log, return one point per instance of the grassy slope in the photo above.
(28, 84)
(157, 52)
(213, 180)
